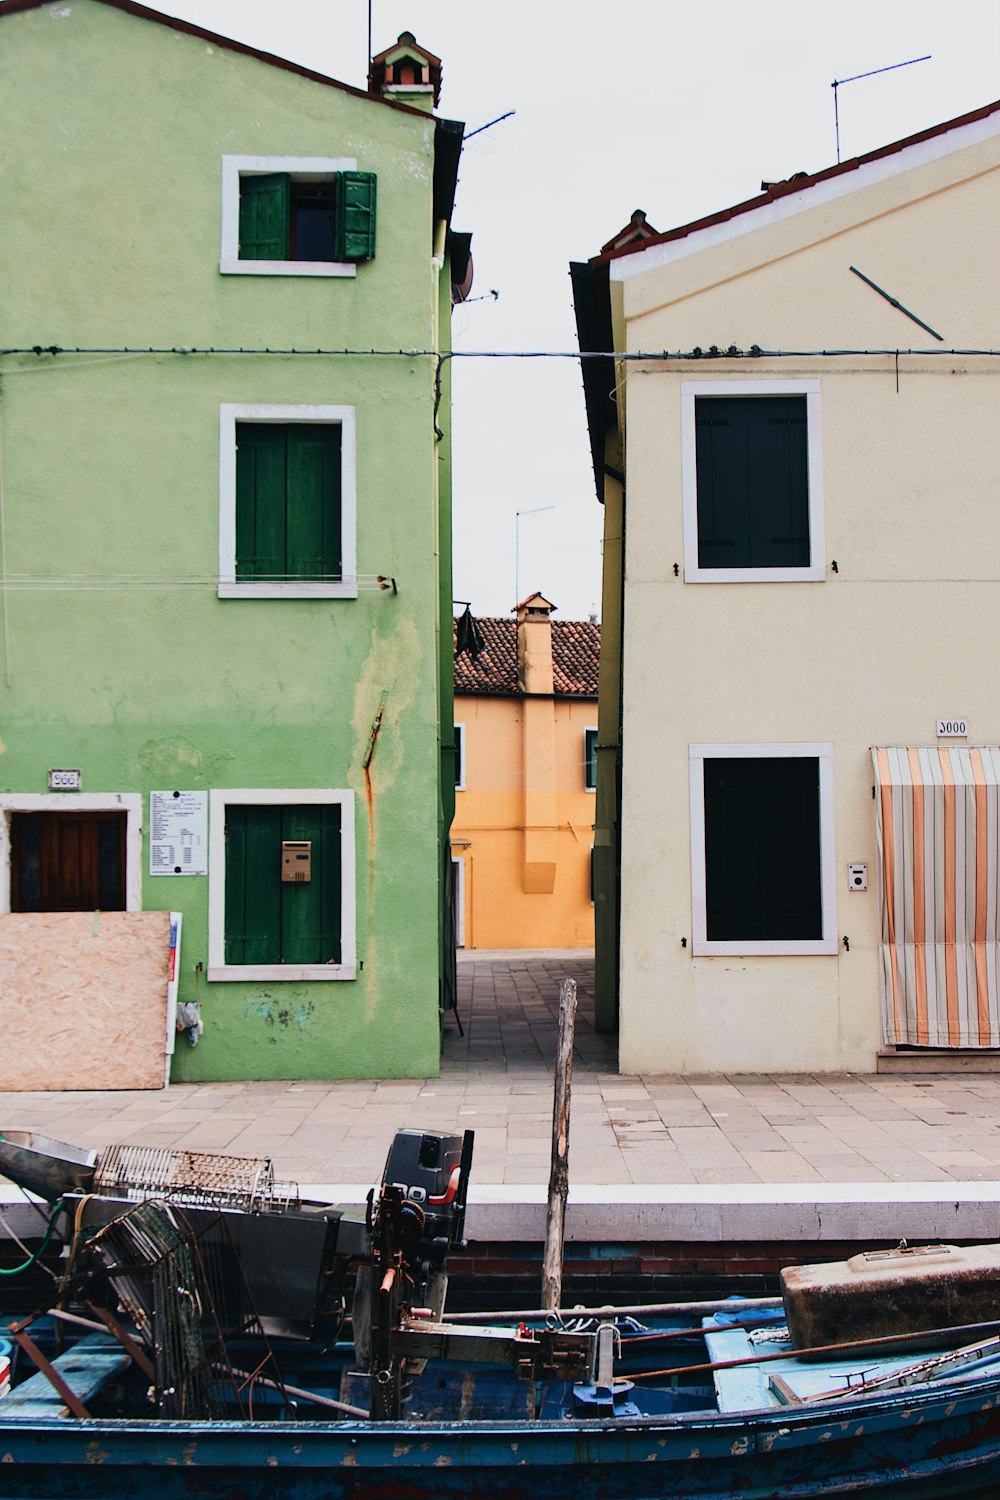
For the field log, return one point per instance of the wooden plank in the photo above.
(82, 1371)
(83, 1000)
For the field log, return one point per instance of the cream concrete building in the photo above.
(797, 771)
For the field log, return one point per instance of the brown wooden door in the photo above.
(67, 861)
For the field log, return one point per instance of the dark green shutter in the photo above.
(751, 456)
(355, 229)
(288, 505)
(762, 849)
(253, 885)
(264, 216)
(261, 500)
(312, 528)
(271, 921)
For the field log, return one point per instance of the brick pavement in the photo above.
(636, 1132)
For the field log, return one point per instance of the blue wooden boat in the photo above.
(708, 1401)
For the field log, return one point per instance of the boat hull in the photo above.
(930, 1444)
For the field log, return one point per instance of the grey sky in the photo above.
(673, 107)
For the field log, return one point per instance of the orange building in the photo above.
(526, 740)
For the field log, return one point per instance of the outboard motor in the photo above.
(418, 1217)
(432, 1173)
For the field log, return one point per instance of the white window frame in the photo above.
(128, 802)
(306, 169)
(221, 798)
(460, 756)
(458, 873)
(343, 417)
(589, 729)
(816, 570)
(823, 753)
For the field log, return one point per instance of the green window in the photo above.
(274, 921)
(751, 456)
(288, 514)
(283, 217)
(590, 759)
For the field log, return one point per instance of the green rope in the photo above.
(26, 1265)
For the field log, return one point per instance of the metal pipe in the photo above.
(666, 1309)
(891, 1340)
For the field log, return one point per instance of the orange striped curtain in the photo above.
(938, 834)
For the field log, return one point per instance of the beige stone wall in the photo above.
(83, 1000)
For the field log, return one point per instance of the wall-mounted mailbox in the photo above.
(296, 860)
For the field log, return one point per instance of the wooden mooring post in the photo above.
(555, 1217)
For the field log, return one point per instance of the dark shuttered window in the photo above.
(590, 759)
(751, 457)
(762, 849)
(288, 514)
(283, 217)
(271, 921)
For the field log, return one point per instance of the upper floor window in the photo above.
(590, 759)
(287, 502)
(296, 216)
(460, 757)
(752, 481)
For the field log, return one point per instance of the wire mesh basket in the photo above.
(192, 1177)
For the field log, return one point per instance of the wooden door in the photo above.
(68, 861)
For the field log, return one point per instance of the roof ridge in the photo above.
(798, 182)
(190, 28)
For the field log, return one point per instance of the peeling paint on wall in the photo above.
(282, 1014)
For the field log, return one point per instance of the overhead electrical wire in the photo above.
(711, 354)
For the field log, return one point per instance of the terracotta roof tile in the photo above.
(576, 649)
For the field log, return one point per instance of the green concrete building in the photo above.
(225, 525)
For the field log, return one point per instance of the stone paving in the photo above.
(497, 1079)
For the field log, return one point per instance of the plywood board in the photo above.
(83, 1000)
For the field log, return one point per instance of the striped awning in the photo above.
(938, 834)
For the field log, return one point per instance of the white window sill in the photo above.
(288, 268)
(348, 589)
(813, 574)
(701, 948)
(240, 973)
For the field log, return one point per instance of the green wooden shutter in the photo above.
(310, 911)
(355, 227)
(313, 529)
(264, 216)
(253, 885)
(261, 500)
(751, 459)
(271, 921)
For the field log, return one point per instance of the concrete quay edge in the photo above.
(751, 1213)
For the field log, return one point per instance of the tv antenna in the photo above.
(839, 83)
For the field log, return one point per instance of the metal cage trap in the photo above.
(197, 1178)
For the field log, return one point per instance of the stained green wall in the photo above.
(111, 468)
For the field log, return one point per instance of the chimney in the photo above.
(534, 645)
(406, 73)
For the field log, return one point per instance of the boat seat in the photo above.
(91, 1362)
(743, 1389)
